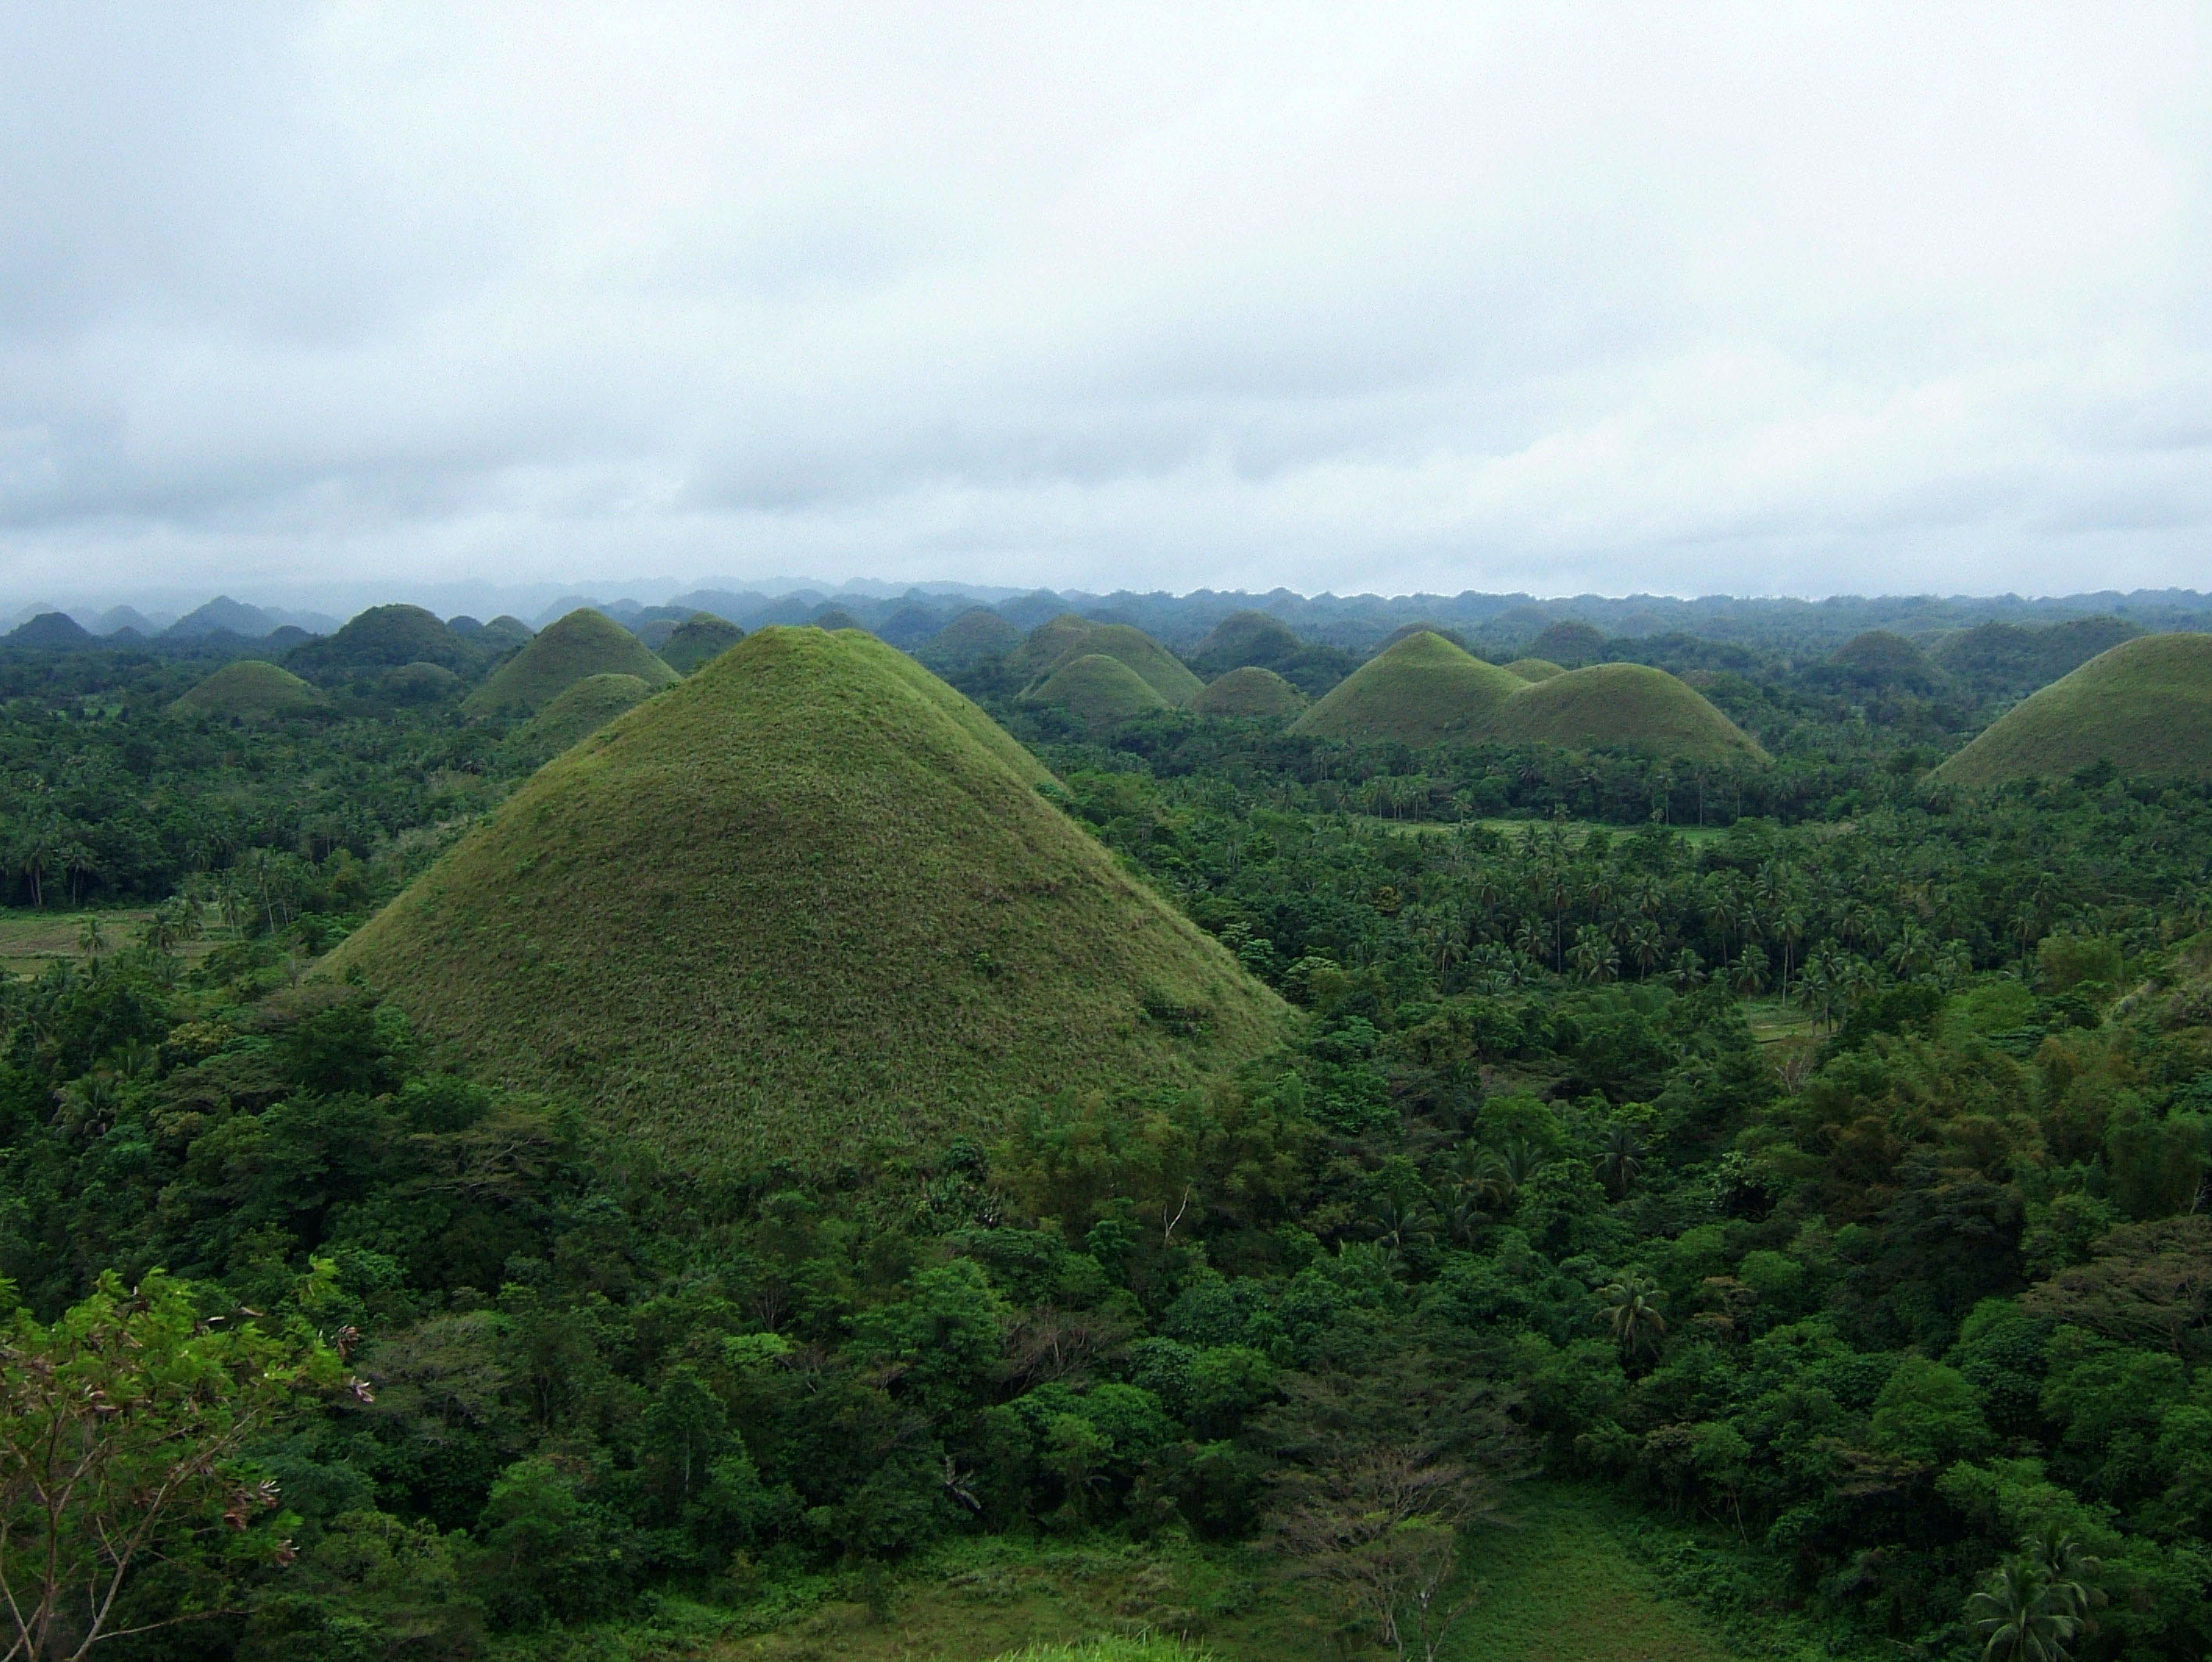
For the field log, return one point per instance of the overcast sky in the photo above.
(1768, 299)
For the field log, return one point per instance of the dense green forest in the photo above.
(1809, 1155)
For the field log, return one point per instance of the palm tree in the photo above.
(1594, 956)
(1750, 976)
(2020, 1616)
(2071, 1571)
(1631, 1310)
(1622, 1160)
(1687, 970)
(91, 939)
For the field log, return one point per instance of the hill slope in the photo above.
(1422, 691)
(1245, 638)
(977, 632)
(1248, 692)
(807, 904)
(577, 710)
(584, 643)
(1102, 690)
(1629, 706)
(252, 690)
(1536, 668)
(2145, 706)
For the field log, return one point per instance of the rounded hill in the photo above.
(385, 638)
(583, 643)
(578, 710)
(1248, 693)
(1245, 638)
(251, 691)
(1067, 638)
(1536, 668)
(1569, 640)
(697, 639)
(1103, 691)
(977, 632)
(1626, 706)
(1422, 691)
(808, 905)
(2145, 706)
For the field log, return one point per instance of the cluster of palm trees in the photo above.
(1826, 933)
(2038, 1602)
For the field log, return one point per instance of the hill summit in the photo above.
(805, 905)
(584, 643)
(2144, 706)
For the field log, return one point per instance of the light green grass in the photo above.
(30, 941)
(1566, 1586)
(1250, 692)
(808, 904)
(1422, 691)
(698, 640)
(2145, 706)
(584, 643)
(251, 691)
(1102, 690)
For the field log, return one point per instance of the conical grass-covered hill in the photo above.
(807, 905)
(2145, 706)
(977, 632)
(1623, 706)
(583, 643)
(1248, 693)
(251, 691)
(577, 711)
(1422, 691)
(1536, 668)
(1054, 645)
(1103, 691)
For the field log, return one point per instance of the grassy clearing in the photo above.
(584, 643)
(1566, 1586)
(30, 941)
(2145, 706)
(991, 1599)
(807, 904)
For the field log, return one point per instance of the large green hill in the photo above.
(1422, 691)
(583, 643)
(383, 638)
(1536, 668)
(1102, 690)
(1245, 638)
(1624, 707)
(808, 905)
(977, 632)
(1247, 692)
(2145, 706)
(251, 691)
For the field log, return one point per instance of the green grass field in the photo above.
(2145, 706)
(807, 904)
(1564, 1585)
(30, 941)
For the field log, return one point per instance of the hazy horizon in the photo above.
(356, 299)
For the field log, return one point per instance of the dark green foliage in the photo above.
(383, 638)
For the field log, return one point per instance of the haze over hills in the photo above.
(806, 903)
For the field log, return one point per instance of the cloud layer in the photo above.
(1750, 299)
